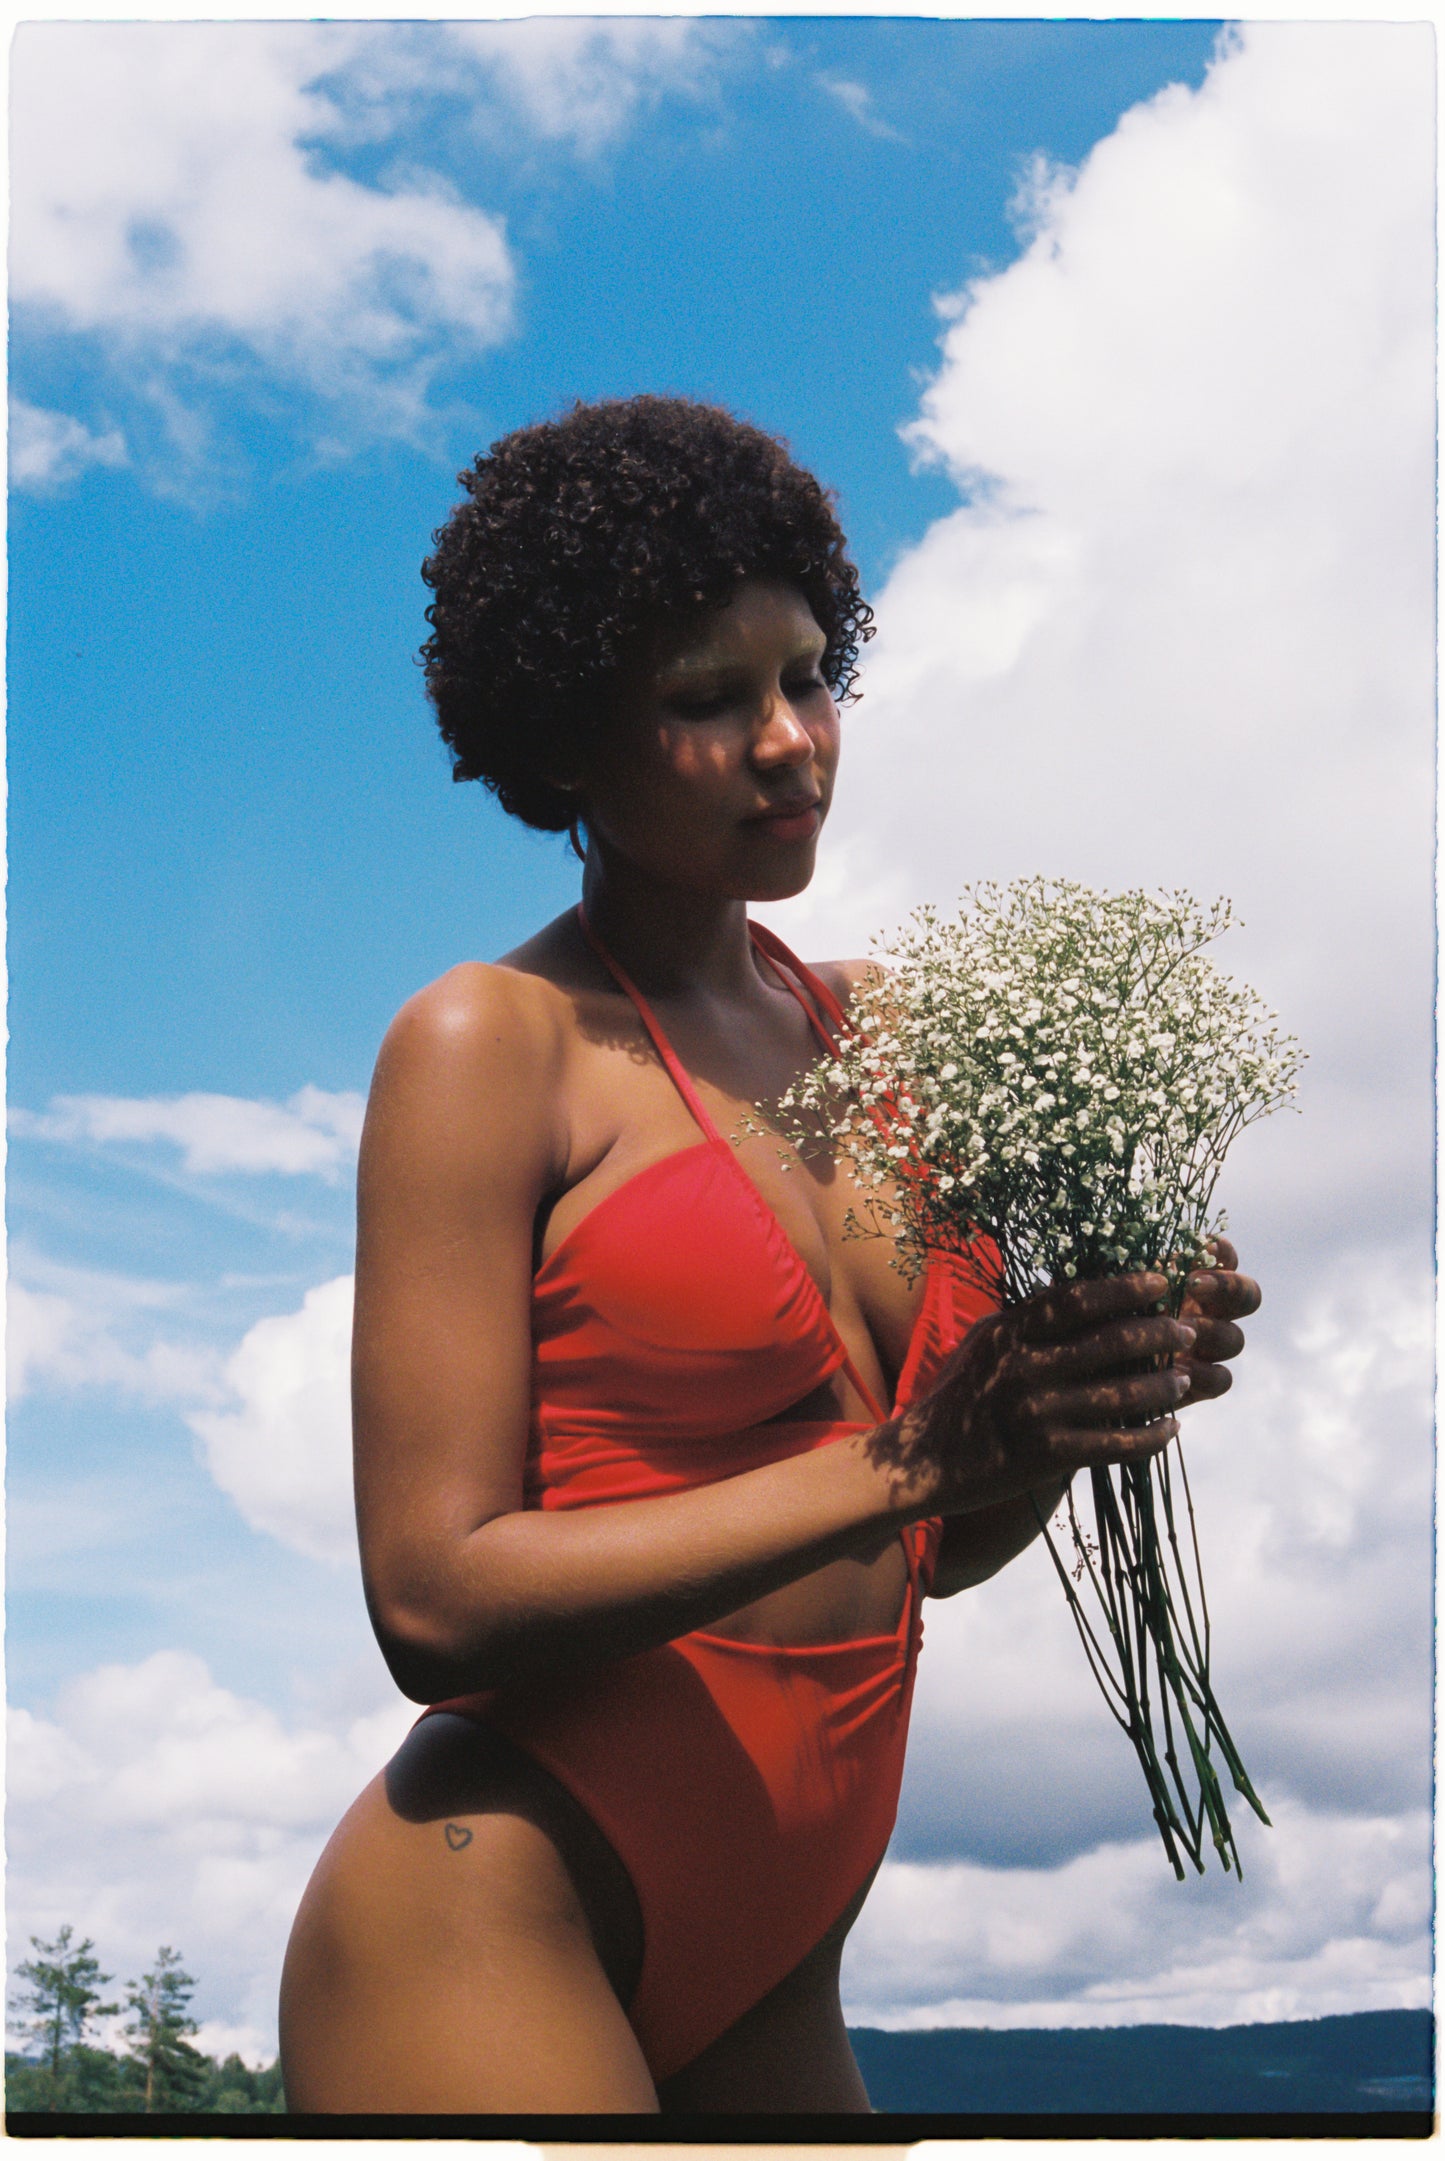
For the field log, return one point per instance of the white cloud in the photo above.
(857, 100)
(282, 1447)
(47, 449)
(1333, 1914)
(1184, 636)
(585, 80)
(55, 1340)
(273, 1416)
(219, 2038)
(1182, 631)
(1311, 1484)
(178, 197)
(1024, 1821)
(168, 195)
(316, 1132)
(156, 1807)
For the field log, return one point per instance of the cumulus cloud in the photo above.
(584, 81)
(273, 1416)
(1181, 628)
(168, 197)
(316, 1132)
(86, 1329)
(281, 1444)
(179, 200)
(1180, 631)
(1312, 1490)
(48, 449)
(1333, 1914)
(156, 1807)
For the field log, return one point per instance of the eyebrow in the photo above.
(684, 670)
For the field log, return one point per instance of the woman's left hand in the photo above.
(1215, 1300)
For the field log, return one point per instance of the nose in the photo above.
(781, 740)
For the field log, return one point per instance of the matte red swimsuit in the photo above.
(749, 1789)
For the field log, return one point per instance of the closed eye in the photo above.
(699, 708)
(707, 705)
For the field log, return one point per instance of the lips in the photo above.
(796, 820)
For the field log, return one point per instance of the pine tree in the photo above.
(159, 2024)
(61, 1999)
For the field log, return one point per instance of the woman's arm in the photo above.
(465, 1136)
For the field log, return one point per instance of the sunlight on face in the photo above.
(719, 770)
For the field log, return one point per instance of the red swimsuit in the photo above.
(749, 1789)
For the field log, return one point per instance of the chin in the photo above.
(782, 883)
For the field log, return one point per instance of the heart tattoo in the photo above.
(458, 1836)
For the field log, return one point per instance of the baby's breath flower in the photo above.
(1047, 1083)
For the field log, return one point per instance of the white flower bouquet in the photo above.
(1046, 1085)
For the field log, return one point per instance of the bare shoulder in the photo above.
(843, 976)
(480, 1015)
(470, 1082)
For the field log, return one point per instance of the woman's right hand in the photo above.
(1046, 1388)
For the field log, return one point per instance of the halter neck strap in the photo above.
(767, 941)
(677, 1072)
(792, 973)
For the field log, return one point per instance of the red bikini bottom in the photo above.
(748, 1789)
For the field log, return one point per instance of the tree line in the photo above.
(157, 2071)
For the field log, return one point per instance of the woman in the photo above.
(654, 1465)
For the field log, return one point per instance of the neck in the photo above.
(671, 940)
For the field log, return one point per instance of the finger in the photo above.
(1224, 1253)
(1111, 1349)
(1108, 1403)
(1215, 1340)
(1205, 1383)
(1221, 1293)
(1067, 1310)
(1081, 1449)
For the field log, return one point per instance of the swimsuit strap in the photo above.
(765, 941)
(675, 1067)
(768, 941)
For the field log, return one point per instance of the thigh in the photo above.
(453, 1956)
(790, 2053)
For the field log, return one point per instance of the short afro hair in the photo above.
(578, 538)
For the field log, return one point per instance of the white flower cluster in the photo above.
(1057, 1069)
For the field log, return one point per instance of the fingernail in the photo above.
(1187, 1333)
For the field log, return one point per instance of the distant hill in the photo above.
(1366, 2060)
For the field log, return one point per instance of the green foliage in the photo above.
(60, 2000)
(233, 2089)
(161, 2072)
(88, 2081)
(170, 2070)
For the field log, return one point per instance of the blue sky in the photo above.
(172, 653)
(272, 286)
(234, 849)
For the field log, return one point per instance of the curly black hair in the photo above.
(577, 539)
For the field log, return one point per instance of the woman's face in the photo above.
(717, 773)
